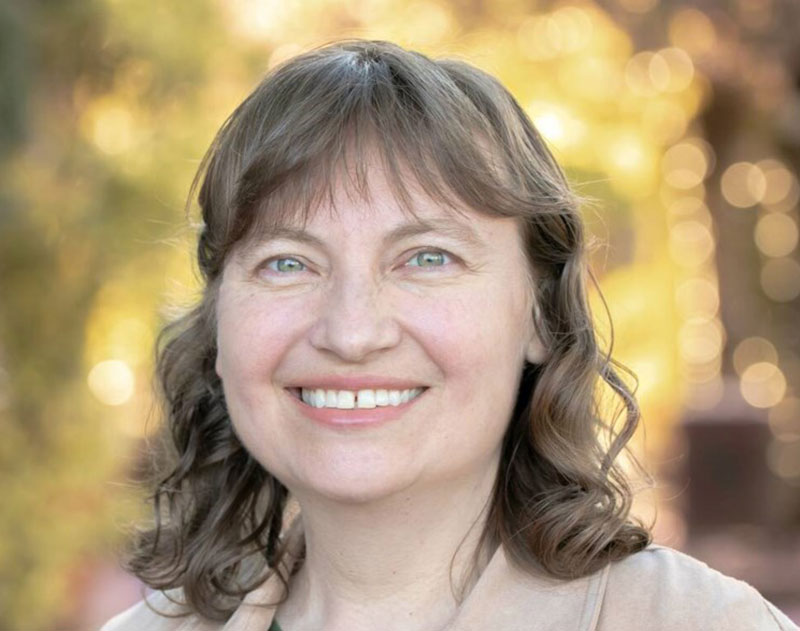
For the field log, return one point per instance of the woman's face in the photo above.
(369, 300)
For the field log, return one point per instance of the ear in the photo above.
(535, 351)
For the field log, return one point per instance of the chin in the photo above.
(354, 487)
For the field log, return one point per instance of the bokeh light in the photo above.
(691, 243)
(743, 184)
(780, 181)
(565, 30)
(762, 384)
(700, 340)
(560, 127)
(783, 458)
(680, 70)
(690, 206)
(693, 31)
(664, 120)
(111, 382)
(780, 279)
(641, 70)
(784, 419)
(776, 234)
(774, 198)
(594, 78)
(649, 73)
(697, 297)
(109, 125)
(687, 163)
(753, 350)
(257, 20)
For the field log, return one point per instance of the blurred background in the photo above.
(682, 119)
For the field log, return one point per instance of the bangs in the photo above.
(323, 122)
(347, 172)
(313, 177)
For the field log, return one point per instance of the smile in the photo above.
(355, 399)
(375, 408)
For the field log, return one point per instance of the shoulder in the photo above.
(154, 614)
(661, 588)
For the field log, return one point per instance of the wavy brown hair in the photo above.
(561, 500)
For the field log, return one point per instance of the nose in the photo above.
(354, 322)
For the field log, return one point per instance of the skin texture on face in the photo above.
(433, 308)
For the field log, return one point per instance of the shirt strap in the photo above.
(595, 592)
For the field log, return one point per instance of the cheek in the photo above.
(252, 336)
(471, 330)
(476, 340)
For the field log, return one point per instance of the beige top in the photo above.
(656, 589)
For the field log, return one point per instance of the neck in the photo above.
(387, 564)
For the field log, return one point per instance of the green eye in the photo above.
(430, 258)
(284, 265)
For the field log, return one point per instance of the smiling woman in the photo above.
(359, 319)
(383, 412)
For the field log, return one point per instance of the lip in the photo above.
(333, 417)
(356, 382)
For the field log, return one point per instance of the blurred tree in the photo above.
(14, 65)
(78, 223)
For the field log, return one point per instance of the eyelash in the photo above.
(275, 259)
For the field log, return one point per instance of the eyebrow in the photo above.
(453, 229)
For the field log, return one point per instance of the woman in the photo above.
(382, 413)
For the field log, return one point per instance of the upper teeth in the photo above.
(349, 399)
